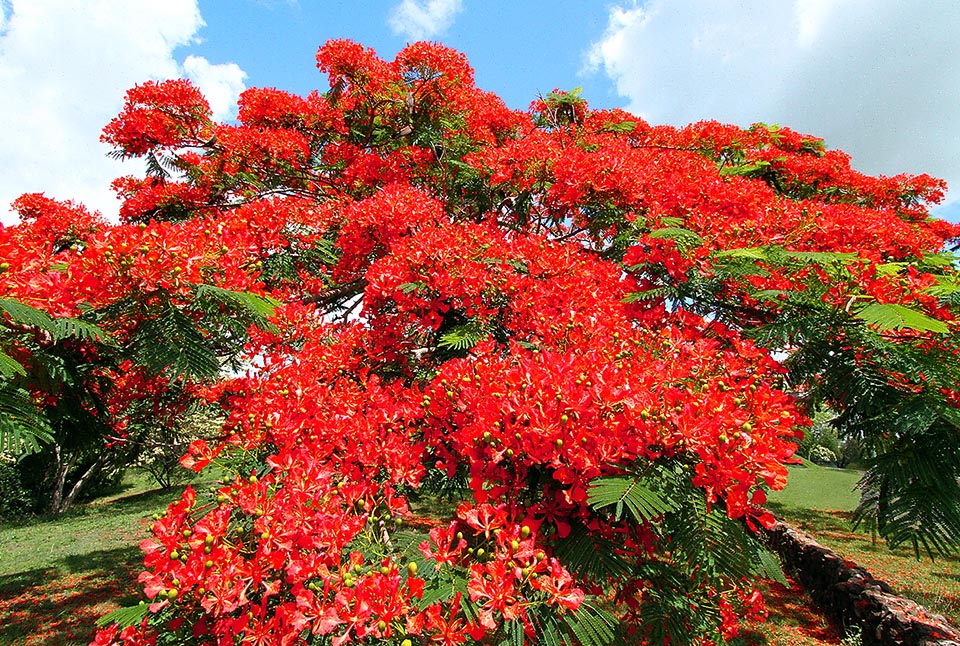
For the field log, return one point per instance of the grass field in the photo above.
(820, 501)
(814, 487)
(58, 577)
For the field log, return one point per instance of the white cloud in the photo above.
(221, 84)
(418, 19)
(64, 68)
(878, 78)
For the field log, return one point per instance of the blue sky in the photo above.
(879, 79)
(518, 48)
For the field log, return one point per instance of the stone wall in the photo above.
(851, 596)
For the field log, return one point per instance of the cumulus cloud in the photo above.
(417, 19)
(221, 84)
(64, 68)
(878, 78)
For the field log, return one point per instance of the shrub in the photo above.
(822, 455)
(16, 502)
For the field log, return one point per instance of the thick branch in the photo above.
(333, 294)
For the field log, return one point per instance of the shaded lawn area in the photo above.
(58, 576)
(790, 622)
(60, 604)
(820, 501)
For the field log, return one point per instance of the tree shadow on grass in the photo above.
(59, 605)
(141, 502)
(830, 528)
(815, 519)
(145, 503)
(793, 620)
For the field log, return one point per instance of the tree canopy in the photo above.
(601, 338)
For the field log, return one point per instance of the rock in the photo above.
(850, 595)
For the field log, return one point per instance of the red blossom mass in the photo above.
(525, 303)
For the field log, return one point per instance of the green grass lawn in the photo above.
(57, 576)
(814, 487)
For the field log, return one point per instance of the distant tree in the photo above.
(569, 313)
(821, 433)
(850, 454)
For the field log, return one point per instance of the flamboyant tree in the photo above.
(602, 338)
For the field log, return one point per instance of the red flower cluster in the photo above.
(524, 301)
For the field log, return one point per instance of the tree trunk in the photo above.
(81, 483)
(59, 480)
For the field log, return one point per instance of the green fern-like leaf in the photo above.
(259, 307)
(716, 544)
(637, 494)
(622, 126)
(650, 294)
(463, 337)
(10, 366)
(592, 558)
(123, 617)
(945, 286)
(676, 613)
(591, 624)
(301, 257)
(445, 585)
(409, 288)
(893, 316)
(683, 237)
(438, 589)
(514, 633)
(26, 315)
(750, 169)
(547, 625)
(742, 253)
(822, 258)
(23, 428)
(171, 343)
(71, 328)
(769, 567)
(911, 493)
(519, 265)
